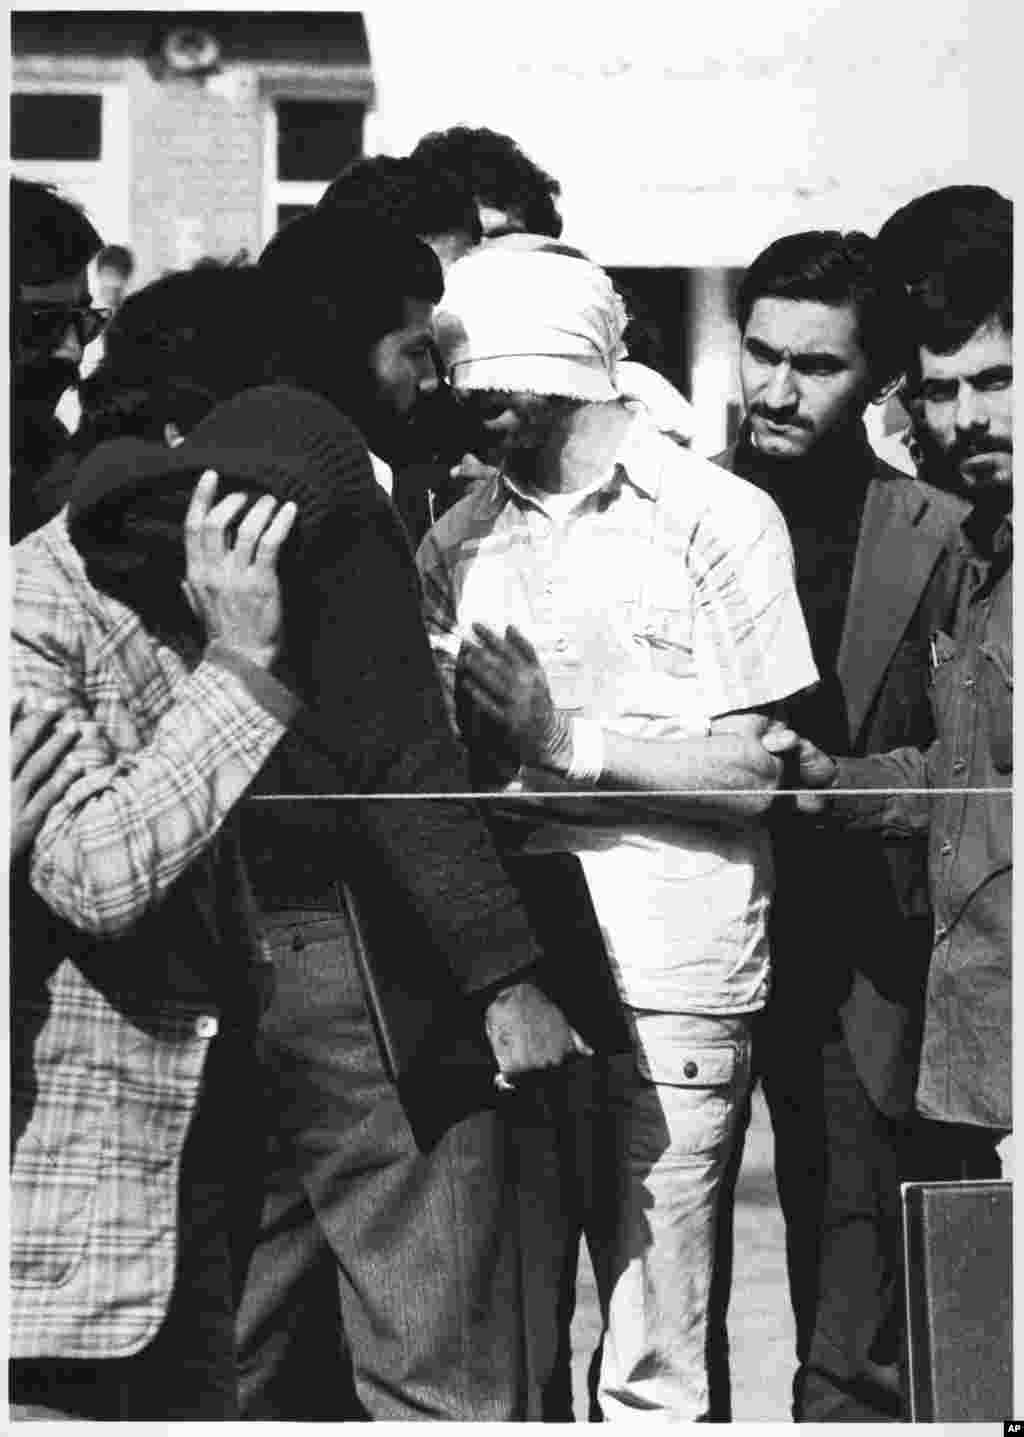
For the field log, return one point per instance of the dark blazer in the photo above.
(906, 573)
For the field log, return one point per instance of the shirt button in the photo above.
(561, 645)
(690, 1069)
(206, 1026)
(959, 764)
(946, 848)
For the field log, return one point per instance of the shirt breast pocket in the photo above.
(660, 642)
(996, 676)
(943, 676)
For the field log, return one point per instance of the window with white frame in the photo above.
(307, 142)
(77, 136)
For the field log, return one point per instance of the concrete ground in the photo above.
(760, 1320)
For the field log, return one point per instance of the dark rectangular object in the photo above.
(444, 1069)
(56, 126)
(317, 138)
(958, 1250)
(574, 971)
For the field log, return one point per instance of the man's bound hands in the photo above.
(505, 677)
(814, 768)
(528, 1032)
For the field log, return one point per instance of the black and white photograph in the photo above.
(510, 680)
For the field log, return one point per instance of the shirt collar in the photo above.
(638, 462)
(989, 531)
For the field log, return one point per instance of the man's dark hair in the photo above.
(953, 248)
(921, 236)
(116, 257)
(835, 269)
(498, 173)
(51, 238)
(174, 350)
(336, 285)
(973, 289)
(425, 199)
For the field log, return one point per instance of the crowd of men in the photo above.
(439, 796)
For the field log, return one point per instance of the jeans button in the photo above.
(690, 1069)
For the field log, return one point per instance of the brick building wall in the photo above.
(188, 163)
(197, 172)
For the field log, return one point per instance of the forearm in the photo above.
(886, 791)
(127, 830)
(721, 776)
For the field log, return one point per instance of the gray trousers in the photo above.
(385, 1282)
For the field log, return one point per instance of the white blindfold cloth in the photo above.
(532, 321)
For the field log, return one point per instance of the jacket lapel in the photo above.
(902, 535)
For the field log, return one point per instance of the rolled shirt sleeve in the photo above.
(750, 637)
(886, 792)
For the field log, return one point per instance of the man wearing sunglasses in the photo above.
(52, 320)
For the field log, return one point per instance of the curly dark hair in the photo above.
(498, 173)
(336, 284)
(426, 199)
(918, 238)
(174, 350)
(973, 289)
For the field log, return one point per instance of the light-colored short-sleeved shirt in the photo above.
(663, 598)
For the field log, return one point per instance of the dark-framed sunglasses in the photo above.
(43, 326)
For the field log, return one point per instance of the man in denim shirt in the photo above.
(959, 790)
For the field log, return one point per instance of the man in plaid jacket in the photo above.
(136, 988)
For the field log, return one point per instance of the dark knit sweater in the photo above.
(822, 501)
(818, 935)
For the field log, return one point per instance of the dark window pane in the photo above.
(55, 127)
(287, 213)
(659, 333)
(317, 138)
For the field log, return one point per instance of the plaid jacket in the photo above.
(145, 896)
